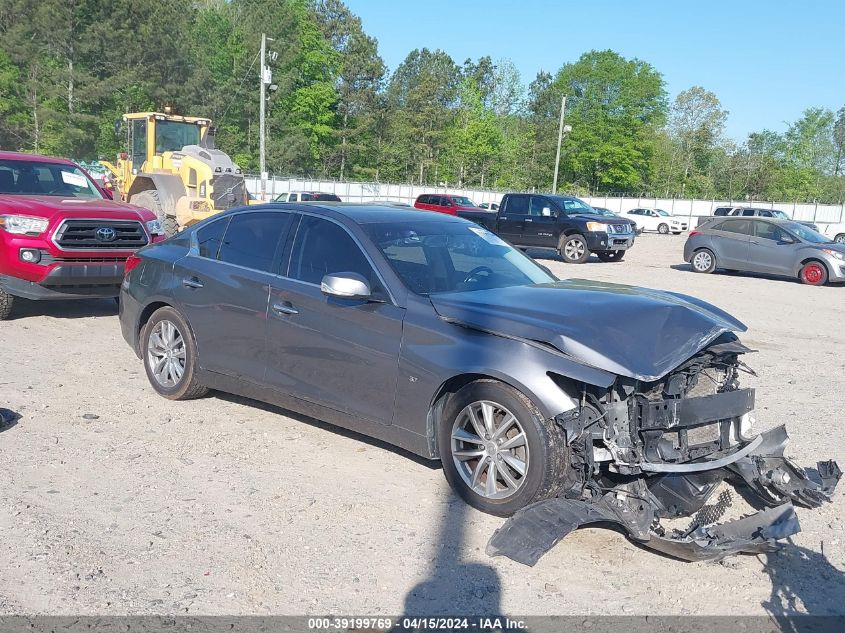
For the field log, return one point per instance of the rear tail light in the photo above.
(691, 233)
(131, 262)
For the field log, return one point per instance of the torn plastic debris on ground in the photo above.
(637, 506)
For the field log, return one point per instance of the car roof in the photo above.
(36, 158)
(362, 212)
(740, 218)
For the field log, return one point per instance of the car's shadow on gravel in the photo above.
(803, 582)
(325, 426)
(61, 309)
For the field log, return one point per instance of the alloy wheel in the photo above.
(702, 261)
(574, 249)
(166, 354)
(490, 449)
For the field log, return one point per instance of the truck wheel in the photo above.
(6, 303)
(611, 256)
(813, 274)
(703, 261)
(663, 229)
(573, 249)
(151, 200)
(498, 452)
(170, 356)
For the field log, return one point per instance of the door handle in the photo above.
(754, 242)
(191, 282)
(528, 220)
(284, 308)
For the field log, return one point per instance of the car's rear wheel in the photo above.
(7, 301)
(573, 249)
(663, 228)
(170, 356)
(610, 256)
(498, 452)
(840, 238)
(813, 274)
(703, 261)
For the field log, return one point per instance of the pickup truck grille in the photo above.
(618, 228)
(100, 235)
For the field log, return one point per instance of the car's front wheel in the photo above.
(703, 261)
(573, 249)
(813, 274)
(7, 301)
(498, 452)
(170, 356)
(663, 228)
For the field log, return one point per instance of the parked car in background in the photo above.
(836, 232)
(749, 212)
(432, 334)
(563, 223)
(489, 205)
(650, 219)
(445, 203)
(607, 213)
(60, 235)
(773, 246)
(390, 203)
(307, 196)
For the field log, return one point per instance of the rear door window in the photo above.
(251, 239)
(517, 205)
(741, 227)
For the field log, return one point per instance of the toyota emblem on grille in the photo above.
(106, 234)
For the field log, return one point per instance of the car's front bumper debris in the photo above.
(776, 482)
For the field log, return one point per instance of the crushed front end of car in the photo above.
(649, 455)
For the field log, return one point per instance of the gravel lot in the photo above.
(228, 506)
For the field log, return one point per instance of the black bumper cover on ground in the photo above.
(534, 530)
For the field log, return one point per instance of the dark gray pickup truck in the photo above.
(564, 223)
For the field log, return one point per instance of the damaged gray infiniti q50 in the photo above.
(555, 403)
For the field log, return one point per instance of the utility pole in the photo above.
(559, 141)
(263, 103)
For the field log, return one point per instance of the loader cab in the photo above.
(150, 134)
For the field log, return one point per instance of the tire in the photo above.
(573, 249)
(840, 238)
(703, 261)
(151, 200)
(7, 302)
(663, 228)
(541, 450)
(813, 273)
(676, 232)
(610, 256)
(169, 383)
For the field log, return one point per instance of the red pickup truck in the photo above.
(60, 237)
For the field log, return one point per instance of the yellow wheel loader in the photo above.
(172, 168)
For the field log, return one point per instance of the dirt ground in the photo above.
(228, 506)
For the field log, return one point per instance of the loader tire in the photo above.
(150, 199)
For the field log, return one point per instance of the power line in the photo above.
(235, 92)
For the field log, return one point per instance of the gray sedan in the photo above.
(429, 332)
(772, 246)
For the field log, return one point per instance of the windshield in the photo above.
(572, 206)
(663, 213)
(32, 178)
(172, 136)
(806, 233)
(433, 258)
(463, 201)
(779, 214)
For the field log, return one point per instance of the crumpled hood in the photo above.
(629, 331)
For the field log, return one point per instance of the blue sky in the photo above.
(767, 61)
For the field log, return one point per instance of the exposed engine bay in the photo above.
(644, 452)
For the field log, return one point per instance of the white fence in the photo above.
(370, 191)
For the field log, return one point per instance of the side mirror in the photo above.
(787, 239)
(345, 286)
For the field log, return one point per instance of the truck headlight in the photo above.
(597, 227)
(154, 227)
(23, 224)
